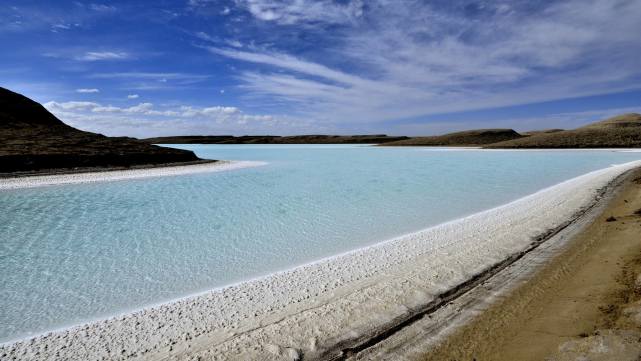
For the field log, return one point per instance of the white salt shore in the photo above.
(316, 307)
(117, 175)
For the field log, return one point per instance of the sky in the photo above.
(153, 68)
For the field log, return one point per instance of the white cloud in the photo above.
(106, 109)
(72, 105)
(87, 90)
(415, 60)
(102, 7)
(290, 63)
(204, 36)
(140, 108)
(297, 11)
(145, 119)
(234, 43)
(133, 96)
(196, 3)
(60, 26)
(103, 55)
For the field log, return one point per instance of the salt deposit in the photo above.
(117, 175)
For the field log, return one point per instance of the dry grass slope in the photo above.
(623, 131)
(544, 131)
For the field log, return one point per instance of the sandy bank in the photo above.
(116, 175)
(322, 309)
(583, 303)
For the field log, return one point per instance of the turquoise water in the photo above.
(78, 252)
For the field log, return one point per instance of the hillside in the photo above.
(272, 139)
(465, 138)
(537, 132)
(630, 120)
(33, 139)
(623, 131)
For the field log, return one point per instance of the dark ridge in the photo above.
(273, 139)
(623, 131)
(465, 138)
(34, 140)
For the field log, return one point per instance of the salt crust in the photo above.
(118, 175)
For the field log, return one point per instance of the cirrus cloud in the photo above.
(87, 90)
(393, 62)
(289, 12)
(103, 55)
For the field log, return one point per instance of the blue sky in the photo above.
(147, 68)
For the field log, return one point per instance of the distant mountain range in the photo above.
(466, 138)
(623, 131)
(33, 139)
(274, 139)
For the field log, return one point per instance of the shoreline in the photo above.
(459, 329)
(283, 272)
(83, 170)
(581, 301)
(480, 148)
(110, 175)
(222, 321)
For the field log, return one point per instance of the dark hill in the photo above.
(33, 139)
(623, 131)
(273, 139)
(465, 138)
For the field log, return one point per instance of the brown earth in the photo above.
(585, 304)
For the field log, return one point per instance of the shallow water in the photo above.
(78, 252)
